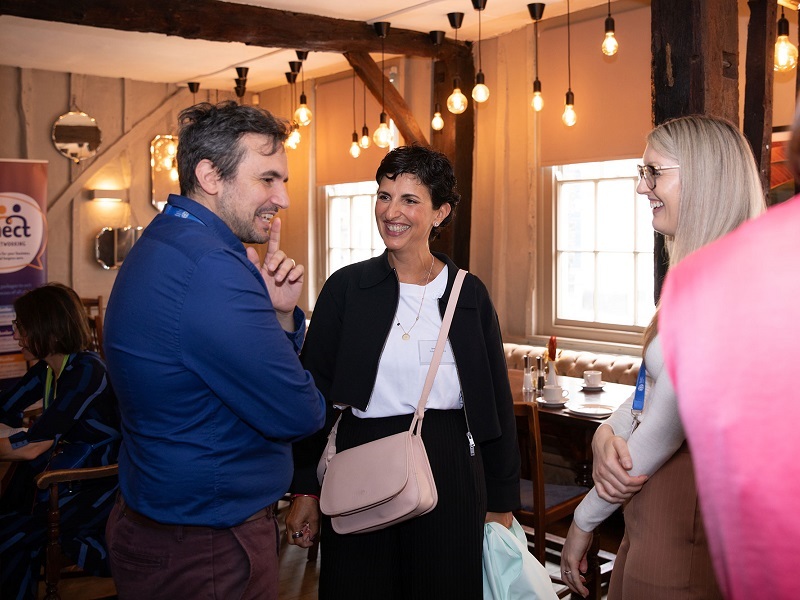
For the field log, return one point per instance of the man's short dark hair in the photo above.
(214, 132)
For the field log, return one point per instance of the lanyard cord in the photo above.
(52, 382)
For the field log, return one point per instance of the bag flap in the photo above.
(366, 475)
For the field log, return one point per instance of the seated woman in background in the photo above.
(79, 427)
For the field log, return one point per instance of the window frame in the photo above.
(545, 322)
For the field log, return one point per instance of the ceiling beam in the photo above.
(395, 106)
(230, 22)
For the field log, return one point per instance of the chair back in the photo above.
(49, 480)
(96, 333)
(93, 306)
(529, 439)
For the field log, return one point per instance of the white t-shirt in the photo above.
(404, 363)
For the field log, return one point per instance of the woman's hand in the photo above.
(505, 519)
(612, 461)
(303, 519)
(573, 559)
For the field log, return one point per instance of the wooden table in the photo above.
(569, 431)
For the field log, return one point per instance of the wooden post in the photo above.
(694, 70)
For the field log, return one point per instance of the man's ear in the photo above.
(207, 177)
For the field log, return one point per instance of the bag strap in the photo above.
(440, 342)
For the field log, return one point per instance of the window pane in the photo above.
(615, 288)
(645, 302)
(576, 217)
(644, 224)
(338, 258)
(362, 219)
(575, 297)
(339, 222)
(615, 215)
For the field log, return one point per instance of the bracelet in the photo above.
(293, 496)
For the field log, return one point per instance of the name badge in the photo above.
(426, 348)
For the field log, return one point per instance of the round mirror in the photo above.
(76, 135)
(112, 245)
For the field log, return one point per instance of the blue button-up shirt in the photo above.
(210, 387)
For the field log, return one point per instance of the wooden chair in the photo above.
(544, 504)
(96, 331)
(93, 306)
(55, 561)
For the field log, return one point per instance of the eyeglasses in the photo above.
(650, 172)
(15, 326)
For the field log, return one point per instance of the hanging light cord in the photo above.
(569, 58)
(480, 43)
(354, 99)
(383, 77)
(536, 48)
(609, 8)
(365, 104)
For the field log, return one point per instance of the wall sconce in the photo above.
(108, 195)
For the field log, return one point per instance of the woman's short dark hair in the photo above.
(214, 132)
(433, 169)
(52, 320)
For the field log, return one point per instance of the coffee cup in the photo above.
(554, 393)
(592, 378)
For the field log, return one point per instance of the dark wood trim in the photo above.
(759, 77)
(230, 22)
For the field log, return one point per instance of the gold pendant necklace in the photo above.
(407, 334)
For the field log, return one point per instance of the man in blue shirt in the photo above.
(202, 343)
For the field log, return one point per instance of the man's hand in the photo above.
(284, 277)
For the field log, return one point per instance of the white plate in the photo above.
(592, 388)
(551, 404)
(599, 411)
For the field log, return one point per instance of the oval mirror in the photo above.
(76, 135)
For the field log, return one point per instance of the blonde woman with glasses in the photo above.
(701, 180)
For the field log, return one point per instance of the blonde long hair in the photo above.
(720, 187)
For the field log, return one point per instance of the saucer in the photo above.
(599, 411)
(546, 404)
(592, 388)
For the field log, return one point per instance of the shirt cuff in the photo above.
(298, 336)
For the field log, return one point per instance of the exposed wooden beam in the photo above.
(395, 106)
(230, 22)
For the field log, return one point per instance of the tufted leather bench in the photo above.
(616, 368)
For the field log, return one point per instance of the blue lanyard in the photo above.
(172, 210)
(638, 397)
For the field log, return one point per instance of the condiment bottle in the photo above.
(527, 375)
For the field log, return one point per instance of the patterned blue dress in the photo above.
(84, 417)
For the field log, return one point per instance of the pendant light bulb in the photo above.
(569, 117)
(437, 122)
(480, 93)
(456, 102)
(294, 137)
(303, 114)
(538, 102)
(365, 139)
(355, 149)
(383, 134)
(785, 51)
(610, 44)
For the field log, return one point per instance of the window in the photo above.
(352, 235)
(599, 283)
